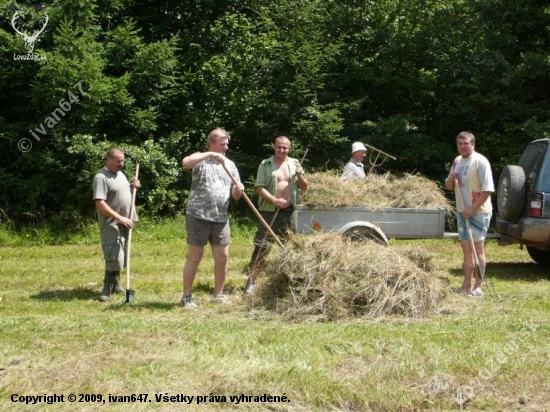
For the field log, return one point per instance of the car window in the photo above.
(544, 178)
(531, 161)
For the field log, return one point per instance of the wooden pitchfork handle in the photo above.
(380, 151)
(129, 241)
(258, 215)
(469, 230)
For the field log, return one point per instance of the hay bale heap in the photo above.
(326, 276)
(375, 191)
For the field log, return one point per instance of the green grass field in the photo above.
(57, 338)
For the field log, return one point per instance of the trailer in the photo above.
(378, 224)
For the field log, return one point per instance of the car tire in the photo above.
(541, 257)
(511, 193)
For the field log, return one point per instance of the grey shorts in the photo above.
(113, 243)
(200, 232)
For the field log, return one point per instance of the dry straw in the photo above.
(375, 191)
(326, 276)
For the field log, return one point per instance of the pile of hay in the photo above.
(375, 191)
(326, 276)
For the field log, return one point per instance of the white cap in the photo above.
(357, 146)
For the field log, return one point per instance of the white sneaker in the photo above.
(476, 293)
(219, 299)
(187, 302)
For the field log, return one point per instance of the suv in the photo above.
(523, 200)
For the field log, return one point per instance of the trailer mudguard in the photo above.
(361, 230)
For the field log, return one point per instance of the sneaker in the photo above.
(187, 302)
(249, 287)
(476, 293)
(219, 299)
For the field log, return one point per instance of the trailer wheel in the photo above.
(361, 233)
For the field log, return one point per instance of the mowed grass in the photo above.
(57, 338)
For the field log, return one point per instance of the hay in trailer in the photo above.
(327, 276)
(375, 191)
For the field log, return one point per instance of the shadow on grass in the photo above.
(80, 293)
(530, 272)
(144, 305)
(208, 288)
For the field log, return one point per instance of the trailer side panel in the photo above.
(397, 223)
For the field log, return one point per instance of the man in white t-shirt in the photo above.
(475, 181)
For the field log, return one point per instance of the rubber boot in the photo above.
(117, 288)
(108, 285)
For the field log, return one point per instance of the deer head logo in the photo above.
(30, 40)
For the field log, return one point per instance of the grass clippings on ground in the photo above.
(57, 338)
(327, 276)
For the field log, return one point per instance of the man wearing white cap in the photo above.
(354, 168)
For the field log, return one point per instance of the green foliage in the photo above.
(155, 77)
(158, 172)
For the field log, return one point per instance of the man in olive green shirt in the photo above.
(278, 182)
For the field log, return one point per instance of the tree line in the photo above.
(153, 77)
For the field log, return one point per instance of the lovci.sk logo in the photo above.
(30, 39)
